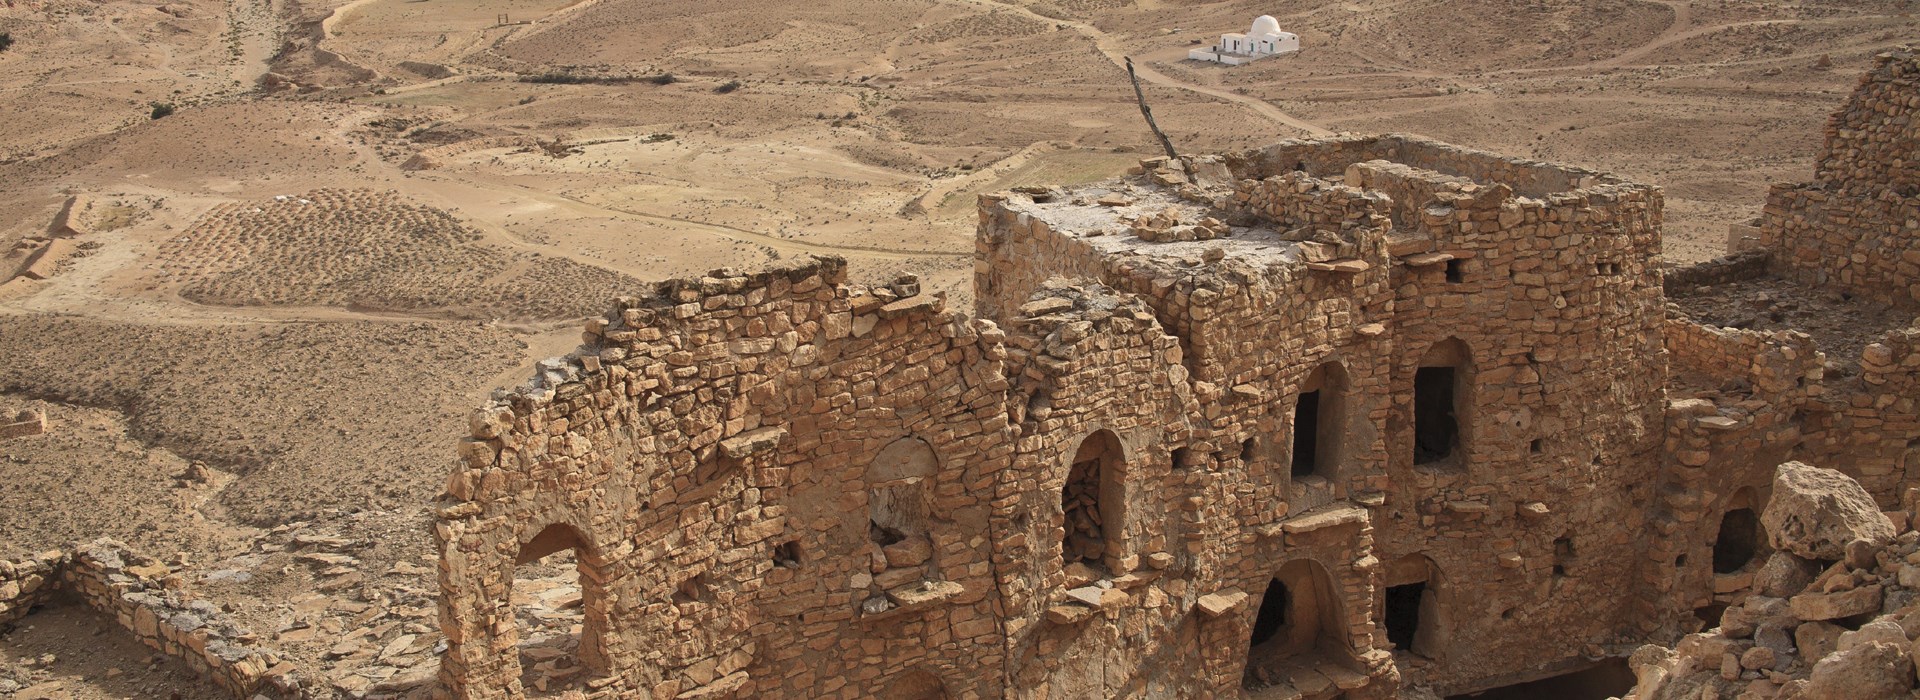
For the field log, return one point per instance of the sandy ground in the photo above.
(362, 217)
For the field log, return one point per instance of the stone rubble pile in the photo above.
(1834, 612)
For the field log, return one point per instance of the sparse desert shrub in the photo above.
(162, 109)
(557, 79)
(6, 40)
(727, 87)
(663, 79)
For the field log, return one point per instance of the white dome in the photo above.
(1264, 24)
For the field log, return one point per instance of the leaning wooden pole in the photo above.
(1147, 112)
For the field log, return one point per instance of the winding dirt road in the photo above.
(1108, 46)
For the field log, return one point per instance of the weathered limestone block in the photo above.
(1815, 512)
(1834, 606)
(1871, 670)
(1784, 575)
(1817, 639)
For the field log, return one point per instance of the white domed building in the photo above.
(1264, 39)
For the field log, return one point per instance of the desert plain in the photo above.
(264, 255)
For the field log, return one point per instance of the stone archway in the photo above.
(1738, 540)
(1300, 622)
(556, 604)
(916, 684)
(1093, 502)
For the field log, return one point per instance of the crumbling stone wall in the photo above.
(1330, 157)
(1415, 395)
(1856, 227)
(1551, 298)
(711, 451)
(1871, 142)
(1745, 400)
(1832, 614)
(27, 583)
(1868, 425)
(146, 599)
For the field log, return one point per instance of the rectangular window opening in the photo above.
(1455, 274)
(1436, 428)
(1306, 433)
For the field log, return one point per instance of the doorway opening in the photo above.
(551, 593)
(1091, 501)
(1273, 613)
(1403, 614)
(1440, 391)
(1319, 416)
(1737, 542)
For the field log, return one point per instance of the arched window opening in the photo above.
(552, 598)
(899, 503)
(1441, 388)
(1092, 501)
(1300, 625)
(1319, 420)
(1738, 542)
(1306, 433)
(917, 685)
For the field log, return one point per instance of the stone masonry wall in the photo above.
(1856, 227)
(1097, 488)
(1556, 301)
(707, 452)
(1329, 157)
(27, 583)
(1872, 141)
(142, 595)
(1721, 444)
(1868, 426)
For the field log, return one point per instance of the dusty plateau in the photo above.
(275, 276)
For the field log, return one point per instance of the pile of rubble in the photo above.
(1166, 226)
(1833, 612)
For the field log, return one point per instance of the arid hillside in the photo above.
(259, 257)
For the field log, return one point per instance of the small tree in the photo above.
(162, 109)
(6, 40)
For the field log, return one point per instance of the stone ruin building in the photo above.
(1331, 418)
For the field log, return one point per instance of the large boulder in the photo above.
(1784, 575)
(1871, 670)
(1815, 512)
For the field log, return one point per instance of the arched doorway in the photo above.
(1300, 623)
(1738, 541)
(1093, 501)
(554, 600)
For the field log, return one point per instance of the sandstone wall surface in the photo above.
(1856, 227)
